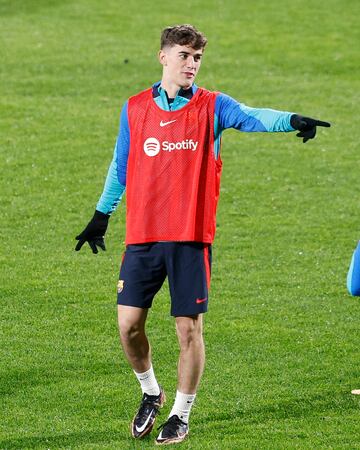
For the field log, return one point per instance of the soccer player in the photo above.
(167, 156)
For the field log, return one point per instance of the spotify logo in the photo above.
(151, 146)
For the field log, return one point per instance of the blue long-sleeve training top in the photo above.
(229, 113)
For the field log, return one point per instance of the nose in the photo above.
(190, 61)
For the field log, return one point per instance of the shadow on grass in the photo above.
(320, 405)
(72, 440)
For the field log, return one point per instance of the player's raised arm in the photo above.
(233, 114)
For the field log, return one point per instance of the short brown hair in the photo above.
(183, 35)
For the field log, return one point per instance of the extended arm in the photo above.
(231, 114)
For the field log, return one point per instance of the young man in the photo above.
(167, 155)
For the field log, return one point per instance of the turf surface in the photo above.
(282, 332)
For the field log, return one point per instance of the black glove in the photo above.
(306, 126)
(94, 232)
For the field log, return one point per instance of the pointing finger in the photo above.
(320, 123)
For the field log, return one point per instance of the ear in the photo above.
(162, 57)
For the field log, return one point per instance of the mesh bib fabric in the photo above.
(173, 178)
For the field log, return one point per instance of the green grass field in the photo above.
(282, 333)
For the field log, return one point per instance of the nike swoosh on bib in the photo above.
(163, 124)
(201, 300)
(142, 428)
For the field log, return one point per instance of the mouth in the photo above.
(189, 74)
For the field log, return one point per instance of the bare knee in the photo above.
(129, 331)
(189, 331)
(131, 326)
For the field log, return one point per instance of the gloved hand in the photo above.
(94, 232)
(306, 126)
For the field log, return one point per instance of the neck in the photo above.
(171, 88)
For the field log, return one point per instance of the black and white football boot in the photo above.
(173, 431)
(144, 419)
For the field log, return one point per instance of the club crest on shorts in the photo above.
(120, 286)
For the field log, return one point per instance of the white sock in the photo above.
(182, 406)
(148, 382)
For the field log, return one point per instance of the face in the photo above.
(180, 64)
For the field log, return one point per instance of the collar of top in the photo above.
(183, 96)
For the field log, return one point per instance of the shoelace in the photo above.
(173, 423)
(148, 403)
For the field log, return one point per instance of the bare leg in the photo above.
(137, 351)
(133, 338)
(192, 353)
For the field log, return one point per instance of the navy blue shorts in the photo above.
(186, 264)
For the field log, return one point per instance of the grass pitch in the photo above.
(282, 333)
